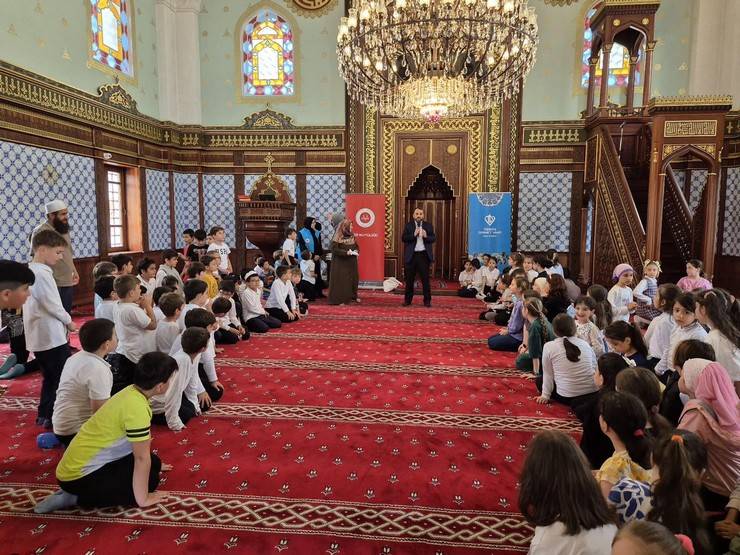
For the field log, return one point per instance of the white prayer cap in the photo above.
(55, 206)
(249, 275)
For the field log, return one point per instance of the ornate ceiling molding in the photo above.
(311, 8)
(268, 119)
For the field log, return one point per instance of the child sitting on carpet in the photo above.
(124, 264)
(183, 398)
(168, 329)
(626, 339)
(687, 327)
(156, 297)
(295, 277)
(466, 279)
(620, 295)
(265, 271)
(108, 298)
(201, 318)
(595, 445)
(282, 303)
(644, 385)
(539, 332)
(568, 366)
(658, 334)
(585, 307)
(86, 380)
(255, 317)
(110, 462)
(196, 296)
(623, 419)
(230, 330)
(510, 338)
(170, 259)
(100, 270)
(560, 498)
(135, 325)
(603, 314)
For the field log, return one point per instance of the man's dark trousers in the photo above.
(419, 265)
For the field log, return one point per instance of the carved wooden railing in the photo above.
(620, 235)
(678, 216)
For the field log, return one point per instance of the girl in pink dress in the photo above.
(693, 279)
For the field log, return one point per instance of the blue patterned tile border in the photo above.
(158, 209)
(544, 211)
(30, 177)
(731, 233)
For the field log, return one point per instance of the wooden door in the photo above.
(434, 196)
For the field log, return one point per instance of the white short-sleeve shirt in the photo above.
(134, 340)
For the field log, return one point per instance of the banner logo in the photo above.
(489, 219)
(365, 217)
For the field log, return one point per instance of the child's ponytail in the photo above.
(564, 326)
(626, 416)
(603, 313)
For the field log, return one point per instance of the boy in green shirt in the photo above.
(109, 461)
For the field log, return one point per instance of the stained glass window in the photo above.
(111, 41)
(619, 58)
(267, 56)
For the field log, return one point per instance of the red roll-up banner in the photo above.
(367, 214)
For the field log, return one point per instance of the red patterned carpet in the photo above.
(371, 429)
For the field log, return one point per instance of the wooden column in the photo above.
(709, 246)
(656, 190)
(648, 72)
(607, 48)
(592, 62)
(631, 82)
(241, 236)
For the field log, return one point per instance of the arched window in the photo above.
(619, 58)
(268, 66)
(111, 40)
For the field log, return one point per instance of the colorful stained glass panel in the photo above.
(111, 35)
(268, 67)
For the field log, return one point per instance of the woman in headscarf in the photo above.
(343, 279)
(712, 414)
(309, 239)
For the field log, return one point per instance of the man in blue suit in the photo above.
(418, 237)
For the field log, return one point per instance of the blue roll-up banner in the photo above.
(489, 223)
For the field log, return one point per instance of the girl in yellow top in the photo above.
(623, 419)
(211, 263)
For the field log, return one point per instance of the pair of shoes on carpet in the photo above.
(14, 372)
(60, 499)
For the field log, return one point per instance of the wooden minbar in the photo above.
(266, 212)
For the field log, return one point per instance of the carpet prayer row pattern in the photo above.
(364, 429)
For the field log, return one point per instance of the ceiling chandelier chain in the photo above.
(436, 58)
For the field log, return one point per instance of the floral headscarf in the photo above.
(344, 233)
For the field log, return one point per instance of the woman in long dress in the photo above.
(343, 279)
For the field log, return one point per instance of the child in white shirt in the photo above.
(282, 303)
(620, 296)
(658, 334)
(86, 380)
(586, 329)
(183, 398)
(230, 329)
(168, 329)
(289, 247)
(108, 298)
(201, 318)
(307, 285)
(168, 268)
(222, 249)
(135, 325)
(687, 327)
(45, 321)
(146, 270)
(254, 314)
(196, 296)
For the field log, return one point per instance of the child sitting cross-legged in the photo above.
(170, 304)
(623, 419)
(109, 462)
(560, 498)
(282, 303)
(135, 325)
(255, 316)
(201, 318)
(230, 330)
(568, 365)
(186, 393)
(86, 380)
(510, 338)
(227, 290)
(626, 339)
(156, 297)
(108, 298)
(538, 333)
(196, 296)
(296, 275)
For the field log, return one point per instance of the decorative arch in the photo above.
(445, 190)
(619, 57)
(266, 54)
(694, 150)
(111, 37)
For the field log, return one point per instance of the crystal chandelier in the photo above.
(436, 58)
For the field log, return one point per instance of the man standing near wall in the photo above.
(65, 273)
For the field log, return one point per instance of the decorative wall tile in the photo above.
(251, 179)
(544, 211)
(698, 182)
(731, 234)
(187, 211)
(218, 199)
(324, 194)
(30, 177)
(158, 209)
